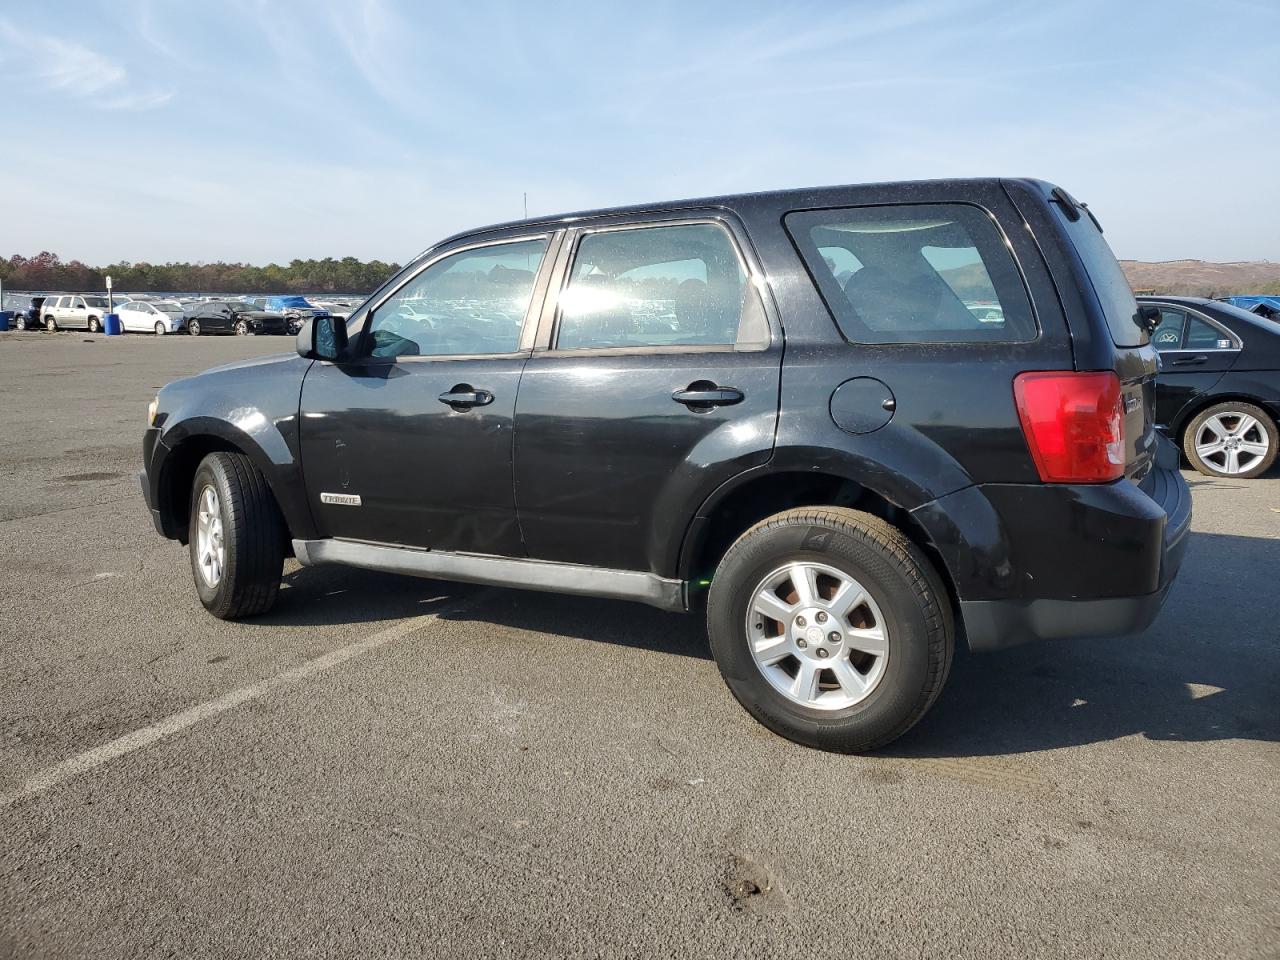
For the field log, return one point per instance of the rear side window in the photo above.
(919, 273)
(659, 286)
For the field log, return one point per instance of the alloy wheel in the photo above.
(1231, 442)
(211, 551)
(817, 636)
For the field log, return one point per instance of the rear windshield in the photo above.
(1109, 283)
(918, 273)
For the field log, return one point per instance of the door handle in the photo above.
(464, 396)
(703, 395)
(1189, 361)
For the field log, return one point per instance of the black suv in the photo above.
(854, 423)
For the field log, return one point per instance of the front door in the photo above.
(655, 380)
(410, 440)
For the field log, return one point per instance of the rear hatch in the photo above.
(1116, 319)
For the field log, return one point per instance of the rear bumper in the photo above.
(1054, 561)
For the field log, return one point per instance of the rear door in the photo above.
(654, 380)
(1194, 354)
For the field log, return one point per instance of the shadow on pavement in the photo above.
(1208, 669)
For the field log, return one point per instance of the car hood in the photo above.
(275, 360)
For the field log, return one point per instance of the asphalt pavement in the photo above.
(386, 766)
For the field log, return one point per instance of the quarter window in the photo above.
(470, 303)
(1168, 334)
(662, 286)
(1205, 336)
(923, 273)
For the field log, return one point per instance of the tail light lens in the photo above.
(1074, 424)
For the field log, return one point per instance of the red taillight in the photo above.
(1074, 424)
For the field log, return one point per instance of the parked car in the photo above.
(602, 404)
(145, 316)
(295, 310)
(230, 316)
(74, 312)
(1218, 392)
(28, 317)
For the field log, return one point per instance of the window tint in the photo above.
(472, 302)
(1109, 283)
(1168, 335)
(657, 287)
(927, 273)
(1204, 336)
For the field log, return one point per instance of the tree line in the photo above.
(47, 271)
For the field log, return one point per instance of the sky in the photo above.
(268, 130)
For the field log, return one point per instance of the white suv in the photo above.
(79, 312)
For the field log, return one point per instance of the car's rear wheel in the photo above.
(51, 324)
(1232, 439)
(94, 325)
(831, 628)
(236, 537)
(160, 331)
(20, 323)
(242, 328)
(193, 328)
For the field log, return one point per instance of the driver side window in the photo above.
(470, 303)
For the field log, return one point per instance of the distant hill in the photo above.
(1201, 278)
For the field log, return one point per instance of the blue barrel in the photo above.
(5, 317)
(111, 325)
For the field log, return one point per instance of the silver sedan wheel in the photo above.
(211, 552)
(1231, 442)
(817, 636)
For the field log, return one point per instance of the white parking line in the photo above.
(84, 762)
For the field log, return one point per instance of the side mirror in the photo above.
(322, 338)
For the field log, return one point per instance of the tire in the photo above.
(1245, 437)
(20, 323)
(95, 326)
(906, 602)
(249, 529)
(160, 331)
(242, 328)
(51, 324)
(193, 327)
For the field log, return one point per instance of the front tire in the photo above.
(236, 537)
(242, 328)
(193, 328)
(831, 628)
(1232, 439)
(160, 331)
(51, 324)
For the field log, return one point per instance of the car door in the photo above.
(409, 439)
(1194, 355)
(77, 314)
(654, 380)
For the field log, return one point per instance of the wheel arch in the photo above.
(751, 497)
(1206, 400)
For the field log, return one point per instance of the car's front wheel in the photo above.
(51, 324)
(831, 628)
(242, 328)
(160, 328)
(236, 537)
(193, 328)
(1232, 439)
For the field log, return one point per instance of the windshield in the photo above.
(292, 301)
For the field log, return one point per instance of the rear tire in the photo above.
(899, 639)
(1232, 439)
(20, 323)
(193, 328)
(235, 536)
(94, 325)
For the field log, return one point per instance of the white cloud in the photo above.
(73, 69)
